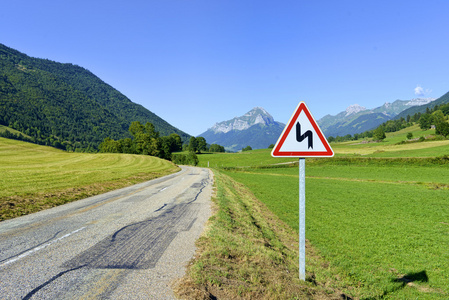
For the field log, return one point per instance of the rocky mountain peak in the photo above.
(420, 101)
(257, 115)
(256, 128)
(353, 109)
(256, 110)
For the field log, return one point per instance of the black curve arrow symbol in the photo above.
(307, 134)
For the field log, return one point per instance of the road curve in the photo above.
(125, 244)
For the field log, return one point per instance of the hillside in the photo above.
(256, 128)
(360, 124)
(358, 119)
(422, 108)
(36, 177)
(65, 105)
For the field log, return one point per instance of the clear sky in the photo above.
(198, 62)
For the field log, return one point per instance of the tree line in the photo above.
(437, 117)
(147, 141)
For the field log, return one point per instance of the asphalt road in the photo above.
(125, 244)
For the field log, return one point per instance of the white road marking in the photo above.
(29, 252)
(163, 189)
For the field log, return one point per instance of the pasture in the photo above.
(396, 145)
(377, 213)
(252, 158)
(379, 233)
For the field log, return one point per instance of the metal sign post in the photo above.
(302, 219)
(302, 138)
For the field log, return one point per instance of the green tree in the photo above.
(445, 109)
(185, 159)
(409, 136)
(438, 117)
(165, 152)
(171, 143)
(110, 146)
(193, 145)
(154, 147)
(442, 128)
(151, 131)
(216, 148)
(247, 148)
(201, 142)
(135, 128)
(175, 142)
(425, 121)
(379, 134)
(146, 139)
(127, 146)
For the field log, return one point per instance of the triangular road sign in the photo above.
(302, 137)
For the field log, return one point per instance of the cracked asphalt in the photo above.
(126, 244)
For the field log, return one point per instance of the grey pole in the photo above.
(302, 219)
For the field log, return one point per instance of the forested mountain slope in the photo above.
(65, 105)
(358, 119)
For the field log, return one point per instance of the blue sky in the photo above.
(195, 63)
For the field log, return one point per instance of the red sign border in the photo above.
(276, 150)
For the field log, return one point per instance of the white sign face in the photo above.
(302, 137)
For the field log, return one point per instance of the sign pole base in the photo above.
(302, 219)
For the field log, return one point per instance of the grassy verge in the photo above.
(248, 253)
(36, 177)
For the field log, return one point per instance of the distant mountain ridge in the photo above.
(423, 107)
(358, 119)
(65, 105)
(256, 128)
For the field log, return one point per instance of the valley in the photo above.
(376, 222)
(377, 213)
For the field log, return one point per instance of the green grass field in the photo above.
(378, 213)
(36, 177)
(242, 159)
(390, 147)
(374, 231)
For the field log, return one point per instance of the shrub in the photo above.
(185, 159)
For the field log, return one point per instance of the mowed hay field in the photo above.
(379, 223)
(36, 177)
